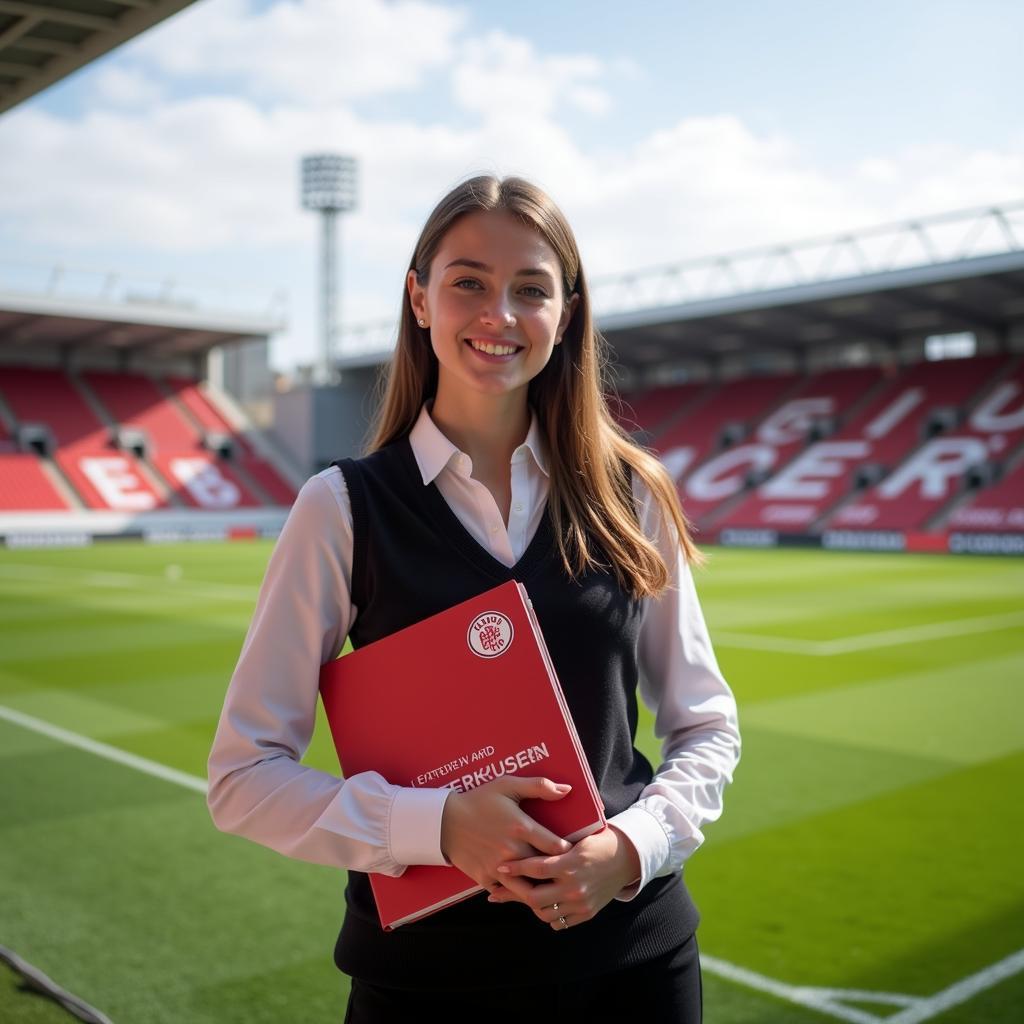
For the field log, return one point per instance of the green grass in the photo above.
(871, 839)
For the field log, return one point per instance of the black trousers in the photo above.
(666, 990)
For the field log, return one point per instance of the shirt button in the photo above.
(519, 508)
(494, 529)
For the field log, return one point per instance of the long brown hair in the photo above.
(590, 500)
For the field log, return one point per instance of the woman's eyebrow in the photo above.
(477, 265)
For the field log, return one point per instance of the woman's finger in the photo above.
(519, 889)
(538, 788)
(532, 867)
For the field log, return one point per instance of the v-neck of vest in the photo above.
(450, 526)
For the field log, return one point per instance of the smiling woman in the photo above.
(495, 458)
(495, 307)
(483, 312)
(509, 246)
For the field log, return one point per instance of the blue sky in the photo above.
(665, 130)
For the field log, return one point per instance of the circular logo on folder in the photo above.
(490, 634)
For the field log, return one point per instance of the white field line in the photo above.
(870, 641)
(863, 995)
(757, 642)
(824, 1000)
(801, 995)
(916, 1009)
(74, 739)
(125, 581)
(961, 991)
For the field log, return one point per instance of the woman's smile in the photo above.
(498, 350)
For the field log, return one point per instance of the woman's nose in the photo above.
(499, 315)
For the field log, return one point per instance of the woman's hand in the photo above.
(485, 827)
(576, 884)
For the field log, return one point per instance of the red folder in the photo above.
(461, 698)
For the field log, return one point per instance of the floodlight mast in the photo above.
(328, 188)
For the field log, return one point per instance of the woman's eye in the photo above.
(467, 283)
(533, 292)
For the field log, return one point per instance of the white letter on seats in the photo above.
(804, 479)
(934, 465)
(887, 419)
(792, 421)
(712, 482)
(677, 461)
(117, 482)
(990, 416)
(203, 481)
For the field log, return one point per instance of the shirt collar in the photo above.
(433, 451)
(534, 445)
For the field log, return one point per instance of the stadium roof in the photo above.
(961, 271)
(43, 41)
(947, 273)
(73, 307)
(158, 338)
(966, 295)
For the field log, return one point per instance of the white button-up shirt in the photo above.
(258, 786)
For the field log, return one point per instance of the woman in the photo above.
(494, 457)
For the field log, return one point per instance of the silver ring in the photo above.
(565, 924)
(554, 907)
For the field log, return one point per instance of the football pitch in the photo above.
(867, 867)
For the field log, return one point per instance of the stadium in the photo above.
(844, 418)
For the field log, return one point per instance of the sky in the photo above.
(664, 131)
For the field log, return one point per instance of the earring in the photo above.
(422, 322)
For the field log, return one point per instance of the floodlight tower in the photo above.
(328, 187)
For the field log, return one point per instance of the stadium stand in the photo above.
(810, 411)
(170, 442)
(124, 442)
(25, 484)
(192, 398)
(652, 412)
(714, 425)
(77, 439)
(918, 441)
(895, 444)
(999, 507)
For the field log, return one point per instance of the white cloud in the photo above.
(118, 86)
(219, 173)
(503, 77)
(309, 51)
(938, 178)
(589, 99)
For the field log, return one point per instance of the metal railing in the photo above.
(923, 241)
(82, 284)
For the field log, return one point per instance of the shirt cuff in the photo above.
(644, 831)
(414, 828)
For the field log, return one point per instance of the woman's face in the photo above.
(493, 303)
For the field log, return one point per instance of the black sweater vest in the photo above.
(412, 558)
